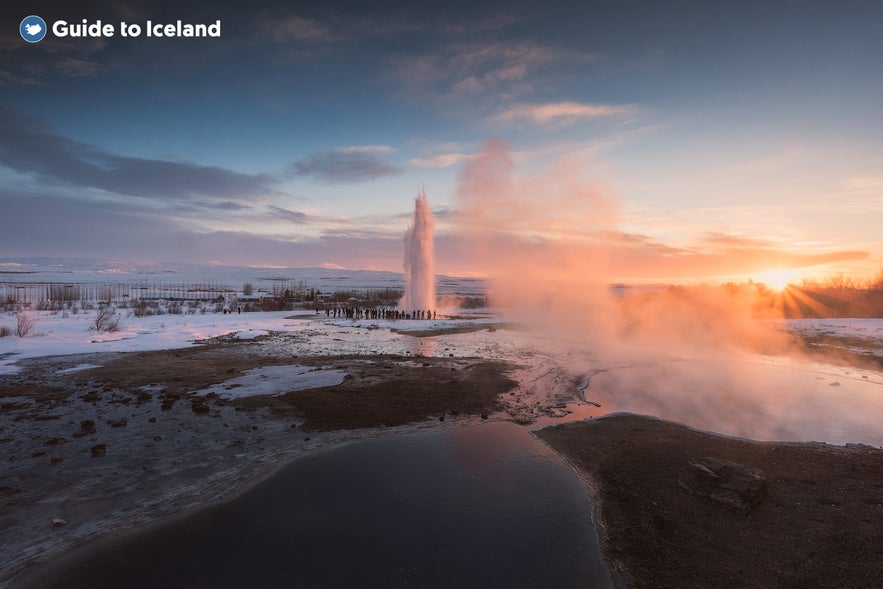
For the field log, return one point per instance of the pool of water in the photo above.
(471, 507)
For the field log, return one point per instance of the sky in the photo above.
(729, 140)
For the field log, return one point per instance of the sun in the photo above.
(779, 279)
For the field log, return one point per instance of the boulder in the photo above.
(728, 483)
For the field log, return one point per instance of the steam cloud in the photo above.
(686, 354)
(545, 242)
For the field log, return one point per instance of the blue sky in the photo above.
(300, 136)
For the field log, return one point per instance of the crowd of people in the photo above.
(377, 313)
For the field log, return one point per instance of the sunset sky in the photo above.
(731, 139)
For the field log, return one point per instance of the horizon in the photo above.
(689, 144)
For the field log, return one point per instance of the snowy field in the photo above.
(55, 334)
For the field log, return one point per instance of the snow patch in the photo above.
(275, 380)
(78, 368)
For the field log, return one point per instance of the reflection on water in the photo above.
(765, 398)
(762, 400)
(422, 346)
(485, 506)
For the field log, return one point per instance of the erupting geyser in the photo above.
(419, 267)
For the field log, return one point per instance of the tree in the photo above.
(247, 289)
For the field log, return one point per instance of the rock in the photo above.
(99, 450)
(441, 417)
(200, 407)
(152, 420)
(157, 438)
(167, 404)
(91, 397)
(728, 483)
(121, 422)
(55, 441)
(56, 459)
(58, 522)
(39, 452)
(87, 427)
(484, 416)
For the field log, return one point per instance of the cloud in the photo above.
(343, 165)
(367, 149)
(502, 69)
(557, 113)
(442, 160)
(289, 215)
(26, 145)
(334, 28)
(47, 224)
(300, 29)
(481, 25)
(226, 205)
(78, 68)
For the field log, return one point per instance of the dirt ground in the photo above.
(820, 524)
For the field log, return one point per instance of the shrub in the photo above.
(106, 320)
(24, 324)
(5, 331)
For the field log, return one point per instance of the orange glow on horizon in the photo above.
(780, 279)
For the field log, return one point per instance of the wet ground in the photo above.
(98, 442)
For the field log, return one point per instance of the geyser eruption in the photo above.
(419, 266)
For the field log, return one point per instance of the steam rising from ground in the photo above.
(545, 242)
(419, 263)
(550, 243)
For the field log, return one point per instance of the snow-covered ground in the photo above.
(56, 334)
(275, 380)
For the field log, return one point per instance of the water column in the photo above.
(419, 263)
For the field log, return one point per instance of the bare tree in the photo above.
(247, 289)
